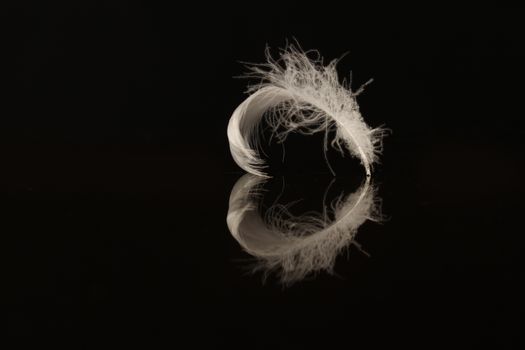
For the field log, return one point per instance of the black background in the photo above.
(116, 175)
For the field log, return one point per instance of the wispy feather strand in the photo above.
(299, 94)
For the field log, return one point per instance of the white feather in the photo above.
(296, 246)
(299, 94)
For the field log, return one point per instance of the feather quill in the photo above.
(299, 94)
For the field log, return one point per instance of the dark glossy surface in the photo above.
(116, 175)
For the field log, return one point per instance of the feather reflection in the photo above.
(295, 246)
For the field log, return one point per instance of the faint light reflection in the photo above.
(295, 247)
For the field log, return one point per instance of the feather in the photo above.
(299, 94)
(296, 246)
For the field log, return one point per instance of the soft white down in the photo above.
(297, 93)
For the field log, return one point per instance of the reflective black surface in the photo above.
(116, 177)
